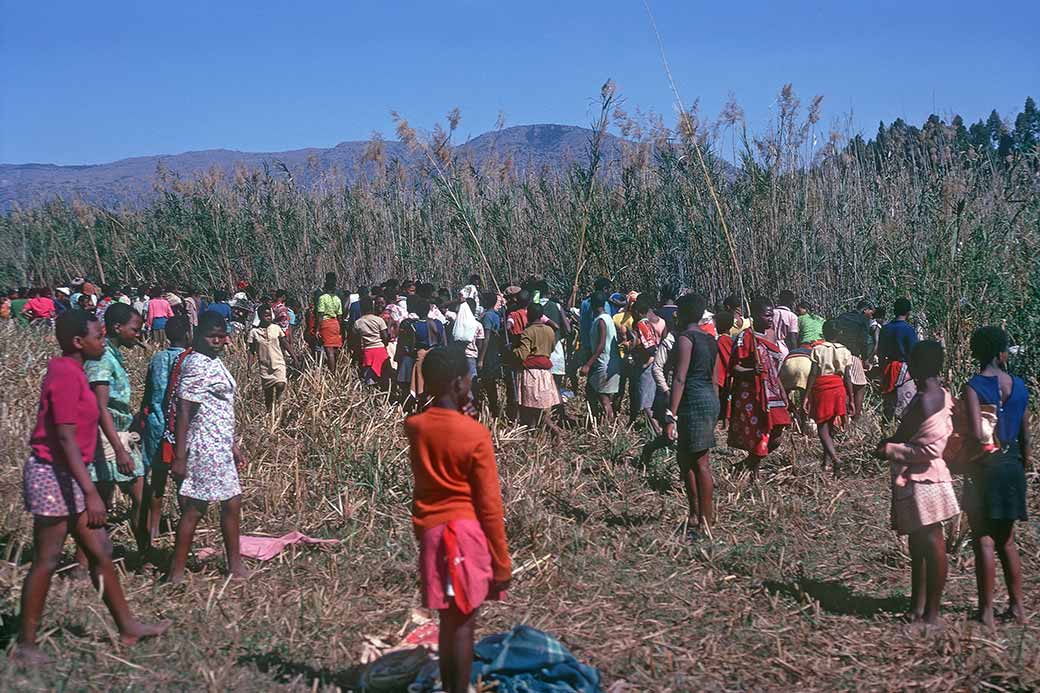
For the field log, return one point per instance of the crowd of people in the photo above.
(666, 361)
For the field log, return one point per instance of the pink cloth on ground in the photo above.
(473, 565)
(266, 548)
(921, 458)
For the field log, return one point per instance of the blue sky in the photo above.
(88, 82)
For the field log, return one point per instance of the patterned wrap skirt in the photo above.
(538, 389)
(857, 372)
(919, 504)
(50, 490)
(696, 419)
(104, 467)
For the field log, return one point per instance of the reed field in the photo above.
(803, 584)
(944, 213)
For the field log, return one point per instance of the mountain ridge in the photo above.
(131, 181)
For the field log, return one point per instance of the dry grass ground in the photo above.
(801, 588)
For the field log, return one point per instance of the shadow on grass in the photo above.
(660, 475)
(284, 670)
(836, 598)
(568, 509)
(8, 629)
(23, 553)
(627, 519)
(10, 624)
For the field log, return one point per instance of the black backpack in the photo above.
(854, 332)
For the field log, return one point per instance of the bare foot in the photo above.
(239, 572)
(140, 631)
(926, 627)
(29, 656)
(985, 617)
(1015, 613)
(174, 578)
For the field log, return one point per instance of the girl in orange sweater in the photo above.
(456, 512)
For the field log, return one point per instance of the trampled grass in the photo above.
(801, 588)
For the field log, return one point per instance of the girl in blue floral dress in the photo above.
(207, 458)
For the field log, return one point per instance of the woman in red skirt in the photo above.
(829, 390)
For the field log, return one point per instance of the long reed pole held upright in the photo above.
(688, 125)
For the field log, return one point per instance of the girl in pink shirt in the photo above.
(159, 311)
(922, 488)
(57, 489)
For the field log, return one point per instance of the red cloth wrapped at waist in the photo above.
(890, 378)
(375, 358)
(828, 399)
(536, 362)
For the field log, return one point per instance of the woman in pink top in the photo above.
(41, 306)
(57, 489)
(159, 311)
(922, 488)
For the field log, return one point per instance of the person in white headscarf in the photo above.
(470, 291)
(468, 331)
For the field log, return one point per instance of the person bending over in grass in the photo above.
(995, 486)
(922, 488)
(829, 390)
(457, 512)
(153, 413)
(374, 335)
(59, 493)
(207, 459)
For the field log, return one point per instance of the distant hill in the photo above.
(130, 182)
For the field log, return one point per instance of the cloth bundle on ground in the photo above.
(527, 660)
(266, 548)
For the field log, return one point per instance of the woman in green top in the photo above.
(810, 325)
(118, 461)
(330, 310)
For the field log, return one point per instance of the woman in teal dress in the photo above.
(154, 405)
(118, 459)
